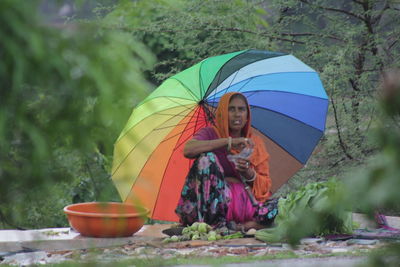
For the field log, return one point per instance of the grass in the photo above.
(213, 261)
(184, 260)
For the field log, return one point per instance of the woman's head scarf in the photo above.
(222, 116)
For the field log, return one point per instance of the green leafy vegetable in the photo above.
(296, 213)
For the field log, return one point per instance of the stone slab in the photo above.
(55, 239)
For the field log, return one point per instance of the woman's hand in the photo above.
(242, 142)
(243, 166)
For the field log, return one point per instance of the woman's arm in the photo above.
(194, 147)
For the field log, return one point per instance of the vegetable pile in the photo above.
(202, 231)
(314, 210)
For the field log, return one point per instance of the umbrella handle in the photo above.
(253, 200)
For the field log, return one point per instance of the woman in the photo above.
(215, 188)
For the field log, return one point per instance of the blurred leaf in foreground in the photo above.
(67, 87)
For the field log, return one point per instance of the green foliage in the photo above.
(350, 43)
(65, 90)
(182, 33)
(376, 186)
(300, 210)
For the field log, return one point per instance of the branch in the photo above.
(335, 10)
(313, 34)
(210, 29)
(358, 2)
(342, 145)
(378, 17)
(354, 85)
(252, 32)
(390, 46)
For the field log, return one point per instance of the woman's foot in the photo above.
(254, 225)
(244, 227)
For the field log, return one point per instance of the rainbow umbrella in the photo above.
(288, 105)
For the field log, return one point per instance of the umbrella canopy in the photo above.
(288, 105)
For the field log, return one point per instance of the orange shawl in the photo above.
(259, 158)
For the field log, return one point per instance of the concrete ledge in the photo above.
(56, 239)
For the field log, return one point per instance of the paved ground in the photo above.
(63, 244)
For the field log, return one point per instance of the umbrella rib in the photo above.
(236, 73)
(182, 123)
(187, 108)
(284, 92)
(169, 160)
(248, 80)
(276, 143)
(166, 127)
(185, 139)
(194, 98)
(265, 74)
(173, 101)
(219, 76)
(215, 94)
(170, 114)
(220, 72)
(138, 144)
(280, 113)
(198, 112)
(158, 113)
(197, 119)
(200, 80)
(179, 133)
(149, 99)
(251, 93)
(195, 126)
(209, 113)
(176, 134)
(227, 88)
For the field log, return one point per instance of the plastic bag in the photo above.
(244, 154)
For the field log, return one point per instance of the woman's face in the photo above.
(237, 111)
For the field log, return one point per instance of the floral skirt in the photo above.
(207, 197)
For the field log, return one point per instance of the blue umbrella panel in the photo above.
(288, 104)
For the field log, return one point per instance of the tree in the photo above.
(350, 43)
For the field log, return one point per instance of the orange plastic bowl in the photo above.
(106, 219)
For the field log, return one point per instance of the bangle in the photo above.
(229, 143)
(252, 178)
